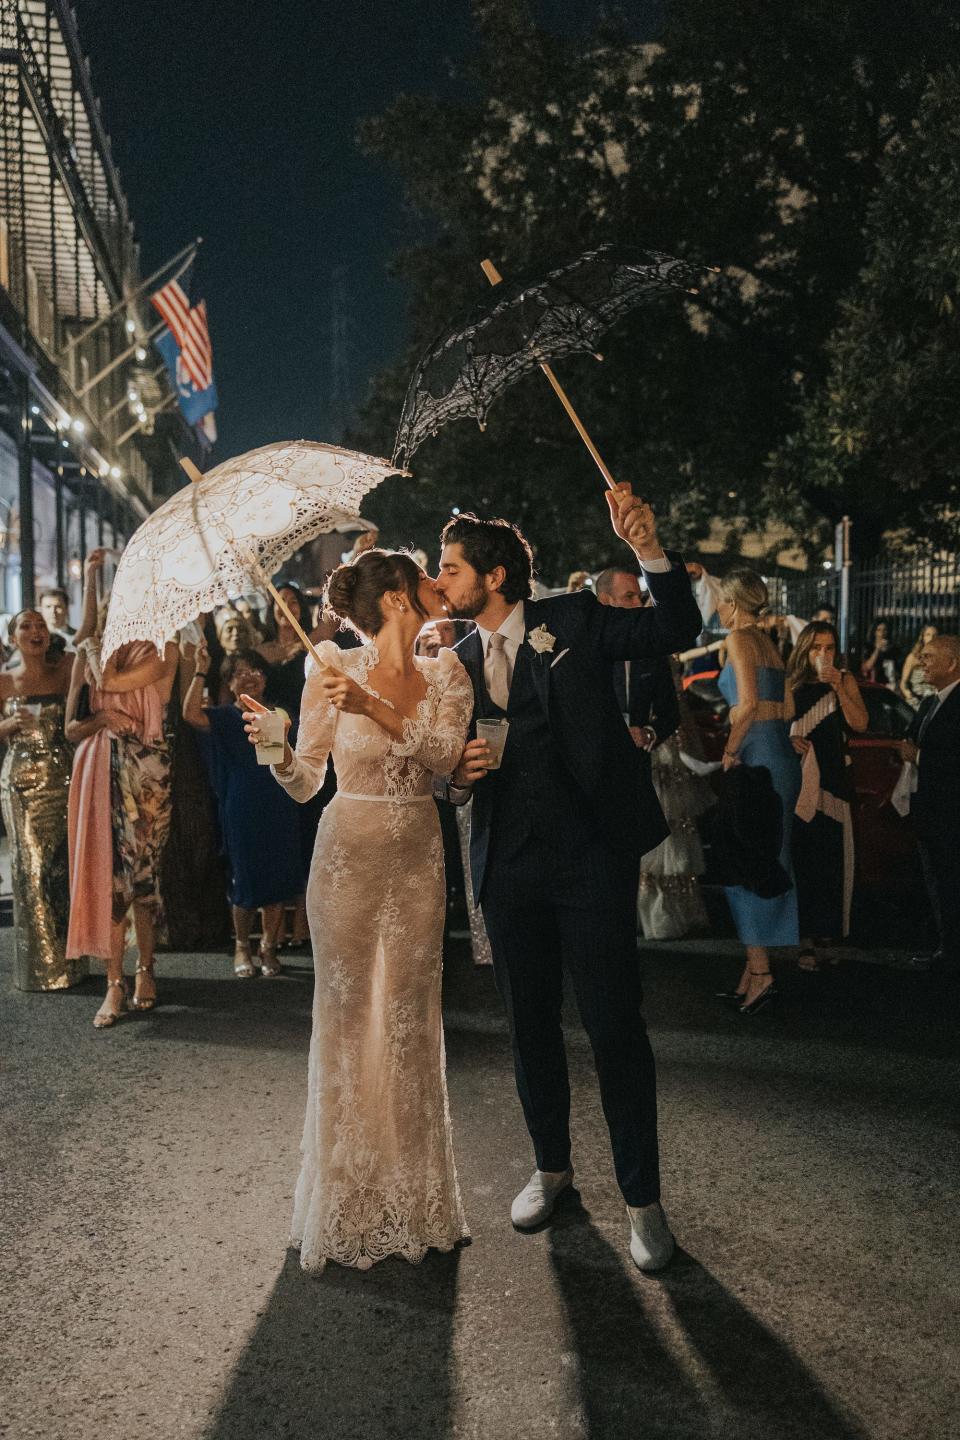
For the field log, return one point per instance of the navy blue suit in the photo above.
(556, 840)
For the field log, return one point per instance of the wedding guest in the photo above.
(914, 685)
(578, 580)
(827, 704)
(34, 784)
(933, 745)
(259, 822)
(669, 902)
(761, 708)
(120, 801)
(881, 663)
(55, 608)
(366, 540)
(234, 634)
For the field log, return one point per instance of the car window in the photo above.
(889, 716)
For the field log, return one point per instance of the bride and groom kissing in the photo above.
(557, 833)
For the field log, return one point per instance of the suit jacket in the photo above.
(935, 808)
(572, 681)
(652, 697)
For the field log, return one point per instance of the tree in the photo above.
(880, 440)
(752, 139)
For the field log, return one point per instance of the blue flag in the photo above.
(195, 404)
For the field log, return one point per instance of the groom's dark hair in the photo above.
(489, 543)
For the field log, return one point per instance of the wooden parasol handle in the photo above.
(190, 469)
(495, 278)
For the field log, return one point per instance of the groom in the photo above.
(557, 835)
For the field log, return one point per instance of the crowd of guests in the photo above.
(88, 788)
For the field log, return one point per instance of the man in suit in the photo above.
(557, 835)
(644, 688)
(933, 744)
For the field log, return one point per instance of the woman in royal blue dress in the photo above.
(261, 835)
(761, 708)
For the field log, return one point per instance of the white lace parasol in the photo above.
(207, 543)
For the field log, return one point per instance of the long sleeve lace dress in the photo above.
(377, 1175)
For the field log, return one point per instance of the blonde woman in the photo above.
(761, 708)
(914, 685)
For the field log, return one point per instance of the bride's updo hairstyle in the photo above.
(747, 591)
(354, 591)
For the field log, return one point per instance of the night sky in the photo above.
(237, 122)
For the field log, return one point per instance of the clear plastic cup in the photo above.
(271, 725)
(494, 731)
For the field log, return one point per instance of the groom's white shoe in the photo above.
(535, 1202)
(651, 1243)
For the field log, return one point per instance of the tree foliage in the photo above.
(753, 138)
(880, 440)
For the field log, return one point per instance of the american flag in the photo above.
(188, 325)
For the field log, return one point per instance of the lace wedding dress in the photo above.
(378, 1176)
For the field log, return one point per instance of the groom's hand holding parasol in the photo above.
(633, 520)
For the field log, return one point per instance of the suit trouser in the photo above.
(940, 857)
(544, 912)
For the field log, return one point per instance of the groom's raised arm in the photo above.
(670, 624)
(673, 621)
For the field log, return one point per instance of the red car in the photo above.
(886, 846)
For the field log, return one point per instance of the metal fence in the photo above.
(907, 593)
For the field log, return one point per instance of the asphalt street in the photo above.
(810, 1161)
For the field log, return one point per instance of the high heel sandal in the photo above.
(807, 961)
(243, 966)
(758, 1001)
(269, 964)
(104, 1018)
(144, 1002)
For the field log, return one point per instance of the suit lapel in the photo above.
(470, 652)
(539, 665)
(933, 717)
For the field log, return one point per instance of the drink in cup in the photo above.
(494, 732)
(270, 749)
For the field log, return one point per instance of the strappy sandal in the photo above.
(807, 961)
(243, 966)
(270, 966)
(104, 1017)
(144, 1002)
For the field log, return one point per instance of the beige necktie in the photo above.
(496, 670)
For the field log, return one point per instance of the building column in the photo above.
(25, 497)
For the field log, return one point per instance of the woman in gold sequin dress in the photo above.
(34, 784)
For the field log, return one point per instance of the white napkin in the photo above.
(905, 787)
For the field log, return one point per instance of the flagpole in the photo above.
(119, 359)
(495, 278)
(188, 251)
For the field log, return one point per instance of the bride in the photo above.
(377, 1176)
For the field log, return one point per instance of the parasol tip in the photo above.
(714, 269)
(693, 291)
(597, 355)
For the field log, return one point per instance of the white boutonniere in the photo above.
(541, 640)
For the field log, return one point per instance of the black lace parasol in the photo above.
(530, 324)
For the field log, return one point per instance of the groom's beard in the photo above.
(470, 606)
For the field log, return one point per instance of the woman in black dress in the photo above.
(827, 704)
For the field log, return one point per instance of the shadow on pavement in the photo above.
(348, 1354)
(677, 1355)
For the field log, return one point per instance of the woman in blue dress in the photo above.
(259, 821)
(761, 708)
